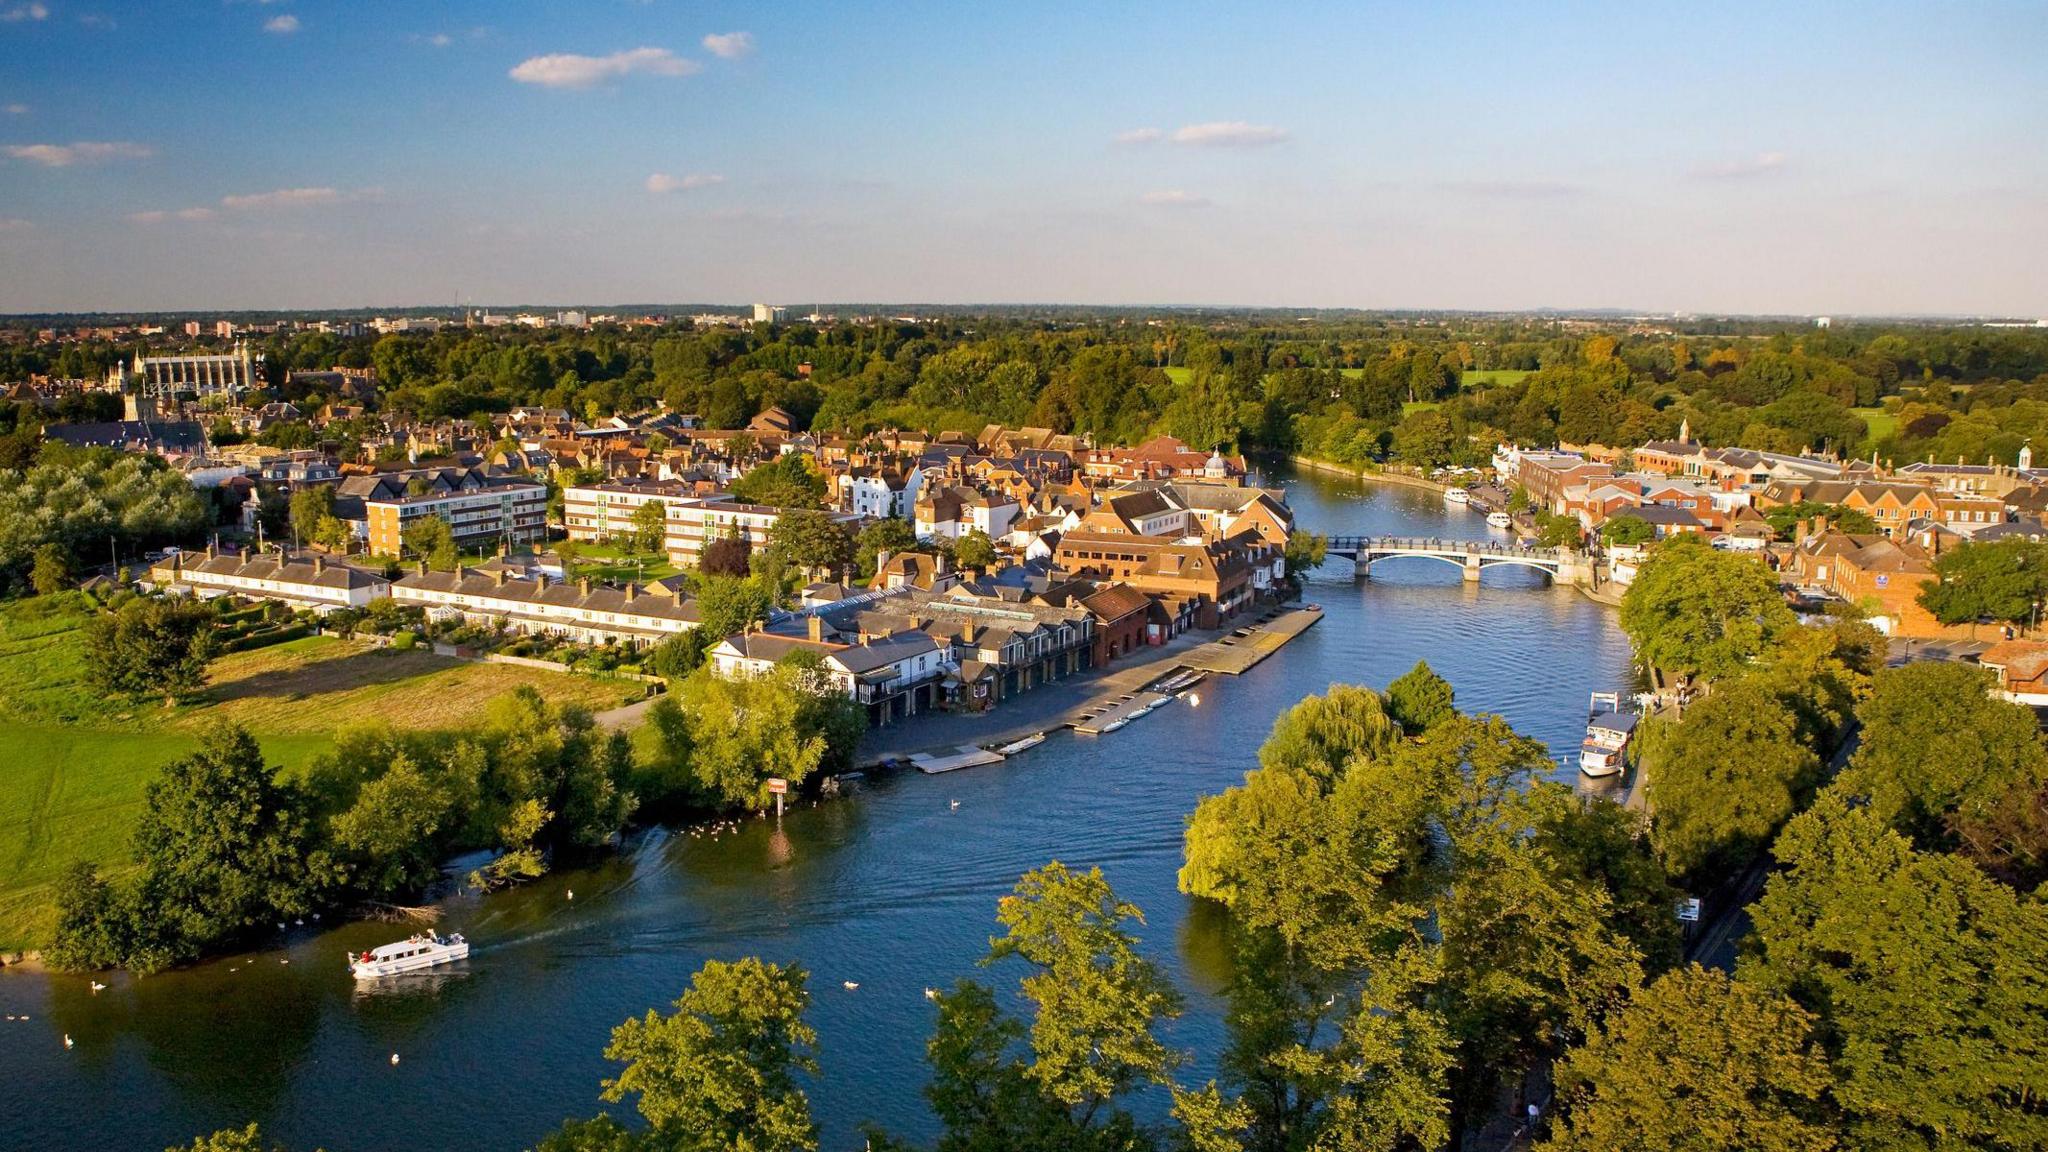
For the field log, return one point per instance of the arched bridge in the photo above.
(1472, 557)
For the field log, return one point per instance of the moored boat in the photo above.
(1016, 746)
(1608, 731)
(1499, 520)
(1457, 496)
(425, 950)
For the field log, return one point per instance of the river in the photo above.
(894, 888)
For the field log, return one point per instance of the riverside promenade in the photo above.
(1078, 698)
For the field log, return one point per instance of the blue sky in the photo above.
(1808, 158)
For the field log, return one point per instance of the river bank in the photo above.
(1379, 475)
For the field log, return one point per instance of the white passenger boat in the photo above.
(1608, 731)
(426, 950)
(1499, 520)
(1457, 496)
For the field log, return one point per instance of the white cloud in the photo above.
(20, 12)
(1761, 164)
(94, 20)
(80, 152)
(568, 70)
(1173, 198)
(440, 40)
(729, 45)
(663, 182)
(1140, 136)
(158, 216)
(15, 109)
(283, 25)
(1228, 134)
(297, 198)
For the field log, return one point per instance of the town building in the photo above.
(594, 512)
(587, 613)
(299, 581)
(164, 377)
(481, 509)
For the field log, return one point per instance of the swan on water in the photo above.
(850, 985)
(931, 993)
(67, 1041)
(956, 804)
(394, 1059)
(98, 987)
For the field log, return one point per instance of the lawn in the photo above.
(1880, 422)
(618, 565)
(1487, 377)
(72, 784)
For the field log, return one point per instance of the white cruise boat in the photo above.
(1457, 496)
(1499, 520)
(413, 954)
(1608, 731)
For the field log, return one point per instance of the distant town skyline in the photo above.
(1880, 159)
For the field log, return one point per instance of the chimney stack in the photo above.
(816, 628)
(423, 567)
(583, 585)
(319, 565)
(498, 577)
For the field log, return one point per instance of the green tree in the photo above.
(727, 604)
(1425, 439)
(95, 923)
(387, 838)
(789, 481)
(431, 539)
(650, 526)
(1953, 767)
(974, 550)
(1557, 531)
(51, 573)
(1421, 699)
(1696, 1063)
(221, 848)
(721, 1073)
(1784, 519)
(1724, 779)
(890, 534)
(149, 647)
(311, 504)
(2000, 580)
(1092, 1040)
(1701, 612)
(1930, 980)
(812, 540)
(1305, 552)
(1622, 530)
(747, 729)
(248, 1139)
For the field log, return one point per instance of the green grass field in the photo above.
(72, 781)
(1487, 377)
(1880, 422)
(610, 562)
